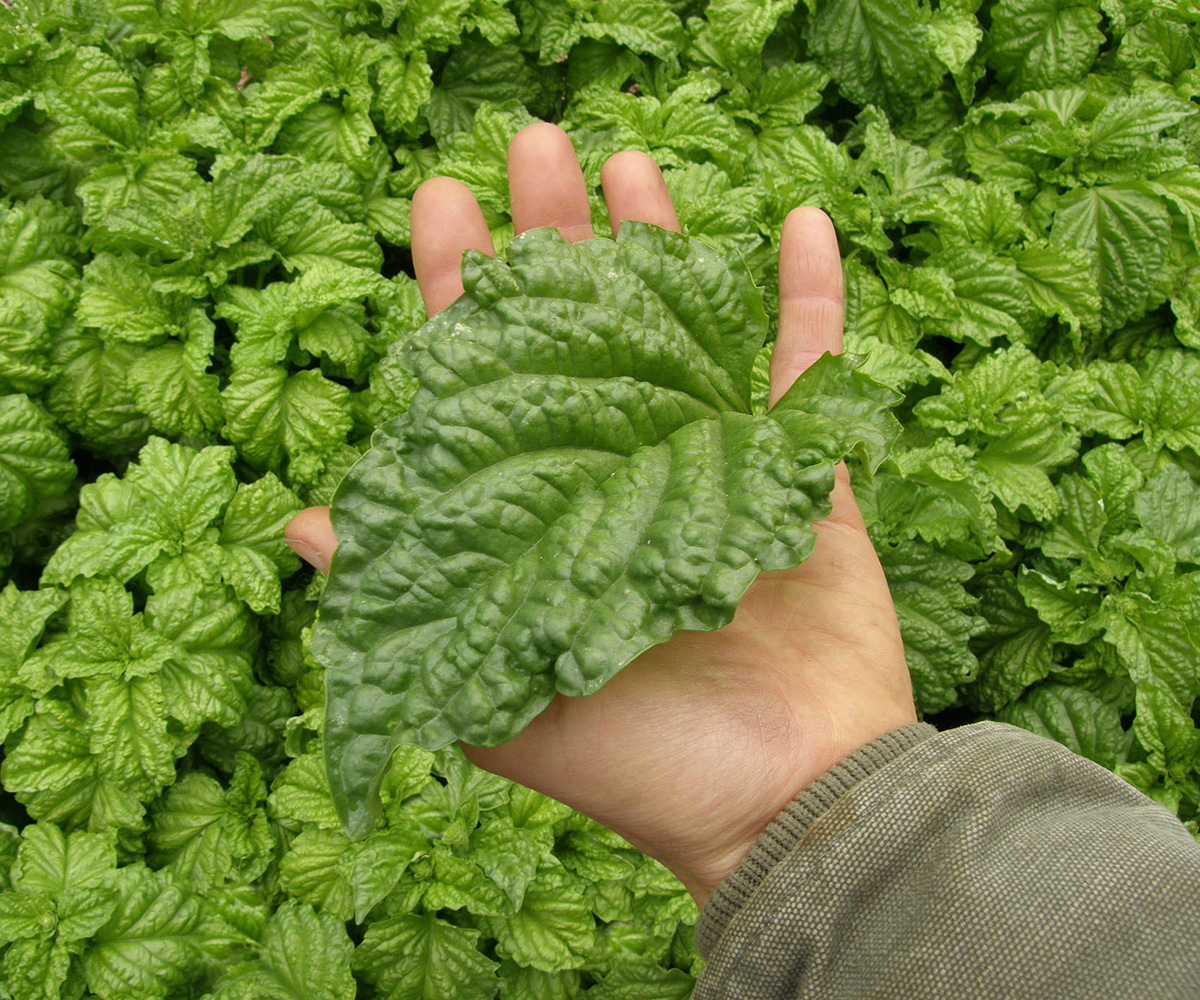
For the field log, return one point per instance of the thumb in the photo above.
(310, 536)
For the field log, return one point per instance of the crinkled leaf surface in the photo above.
(578, 477)
(34, 461)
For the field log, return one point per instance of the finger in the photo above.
(810, 296)
(545, 183)
(446, 222)
(634, 189)
(310, 535)
(845, 507)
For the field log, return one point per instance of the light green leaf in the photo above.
(1015, 647)
(420, 957)
(955, 36)
(553, 930)
(1168, 507)
(118, 298)
(269, 319)
(35, 969)
(1171, 402)
(460, 884)
(25, 915)
(988, 397)
(1017, 464)
(253, 553)
(1124, 229)
(872, 312)
(1127, 125)
(93, 396)
(518, 982)
(1060, 282)
(120, 553)
(310, 235)
(1156, 640)
(172, 384)
(167, 502)
(82, 912)
(88, 90)
(939, 495)
(50, 767)
(260, 732)
(26, 364)
(104, 638)
(36, 281)
(739, 28)
(711, 208)
(476, 74)
(633, 980)
(301, 794)
(1181, 188)
(35, 463)
(912, 178)
(379, 861)
(783, 94)
(509, 855)
(303, 957)
(935, 620)
(1073, 613)
(877, 50)
(208, 676)
(346, 880)
(993, 299)
(208, 835)
(1073, 716)
(1111, 400)
(1117, 481)
(285, 423)
(127, 730)
(50, 862)
(146, 948)
(477, 158)
(594, 859)
(1167, 731)
(1185, 304)
(23, 617)
(1044, 43)
(50, 752)
(639, 25)
(315, 870)
(405, 84)
(233, 919)
(674, 130)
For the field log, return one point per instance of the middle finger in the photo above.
(546, 184)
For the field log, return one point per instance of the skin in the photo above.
(692, 749)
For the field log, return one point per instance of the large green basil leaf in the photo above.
(579, 476)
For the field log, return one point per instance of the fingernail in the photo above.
(308, 554)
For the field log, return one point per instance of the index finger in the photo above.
(446, 222)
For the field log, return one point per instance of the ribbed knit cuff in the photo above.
(790, 826)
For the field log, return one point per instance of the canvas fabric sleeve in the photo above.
(981, 862)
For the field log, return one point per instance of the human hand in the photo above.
(692, 749)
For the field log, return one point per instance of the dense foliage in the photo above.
(203, 227)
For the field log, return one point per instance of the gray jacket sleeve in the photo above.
(983, 862)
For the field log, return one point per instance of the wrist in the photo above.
(723, 898)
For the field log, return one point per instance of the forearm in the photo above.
(981, 862)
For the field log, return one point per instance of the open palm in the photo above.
(692, 749)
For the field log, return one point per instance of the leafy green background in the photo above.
(203, 258)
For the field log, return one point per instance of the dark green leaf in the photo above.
(578, 477)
